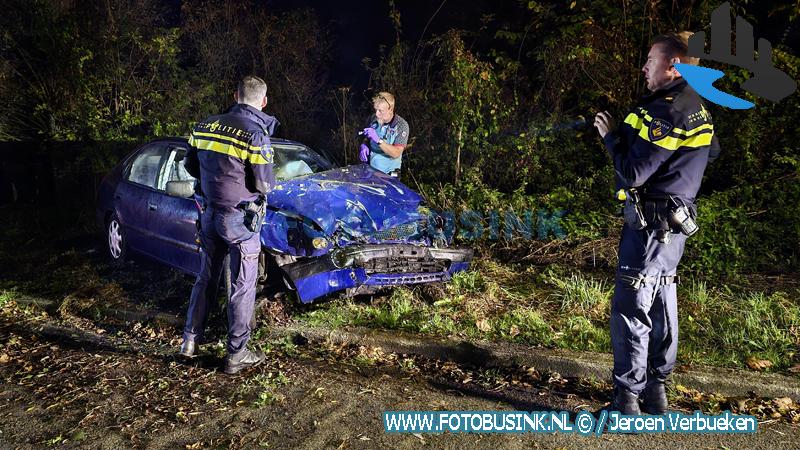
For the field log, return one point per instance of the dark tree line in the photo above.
(483, 101)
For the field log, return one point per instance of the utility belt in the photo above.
(663, 213)
(253, 213)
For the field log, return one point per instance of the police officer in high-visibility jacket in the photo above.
(231, 156)
(659, 154)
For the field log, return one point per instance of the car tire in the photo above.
(226, 278)
(116, 240)
(226, 285)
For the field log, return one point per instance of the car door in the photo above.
(173, 219)
(132, 198)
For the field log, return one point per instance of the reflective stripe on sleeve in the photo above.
(677, 138)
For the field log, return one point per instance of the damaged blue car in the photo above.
(350, 230)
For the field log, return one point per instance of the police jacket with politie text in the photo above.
(232, 157)
(665, 143)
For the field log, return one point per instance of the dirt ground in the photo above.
(74, 382)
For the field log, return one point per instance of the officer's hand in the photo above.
(604, 123)
(372, 134)
(363, 153)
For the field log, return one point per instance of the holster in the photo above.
(632, 211)
(254, 213)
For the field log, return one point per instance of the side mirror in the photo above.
(183, 189)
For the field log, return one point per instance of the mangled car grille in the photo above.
(398, 233)
(394, 259)
(406, 265)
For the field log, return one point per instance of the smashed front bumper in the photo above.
(374, 265)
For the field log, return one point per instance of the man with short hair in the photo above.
(231, 156)
(387, 135)
(660, 153)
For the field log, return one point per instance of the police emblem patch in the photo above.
(659, 129)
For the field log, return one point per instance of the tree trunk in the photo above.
(345, 132)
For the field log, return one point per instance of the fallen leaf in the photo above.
(514, 331)
(794, 369)
(783, 403)
(741, 404)
(758, 364)
(4, 358)
(483, 325)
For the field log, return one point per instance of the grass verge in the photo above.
(563, 308)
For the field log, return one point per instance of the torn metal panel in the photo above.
(374, 265)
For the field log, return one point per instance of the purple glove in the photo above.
(363, 152)
(372, 134)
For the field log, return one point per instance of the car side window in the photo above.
(174, 169)
(145, 167)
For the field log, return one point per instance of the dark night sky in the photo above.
(359, 28)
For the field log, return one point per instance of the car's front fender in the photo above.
(289, 233)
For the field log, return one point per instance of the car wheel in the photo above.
(116, 241)
(226, 278)
(226, 285)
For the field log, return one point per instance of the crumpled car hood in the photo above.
(356, 199)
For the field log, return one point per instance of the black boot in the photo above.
(187, 349)
(626, 402)
(654, 399)
(242, 360)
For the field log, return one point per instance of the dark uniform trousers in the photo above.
(644, 317)
(223, 232)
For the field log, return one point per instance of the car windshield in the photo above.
(293, 160)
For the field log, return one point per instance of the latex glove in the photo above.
(372, 134)
(363, 152)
